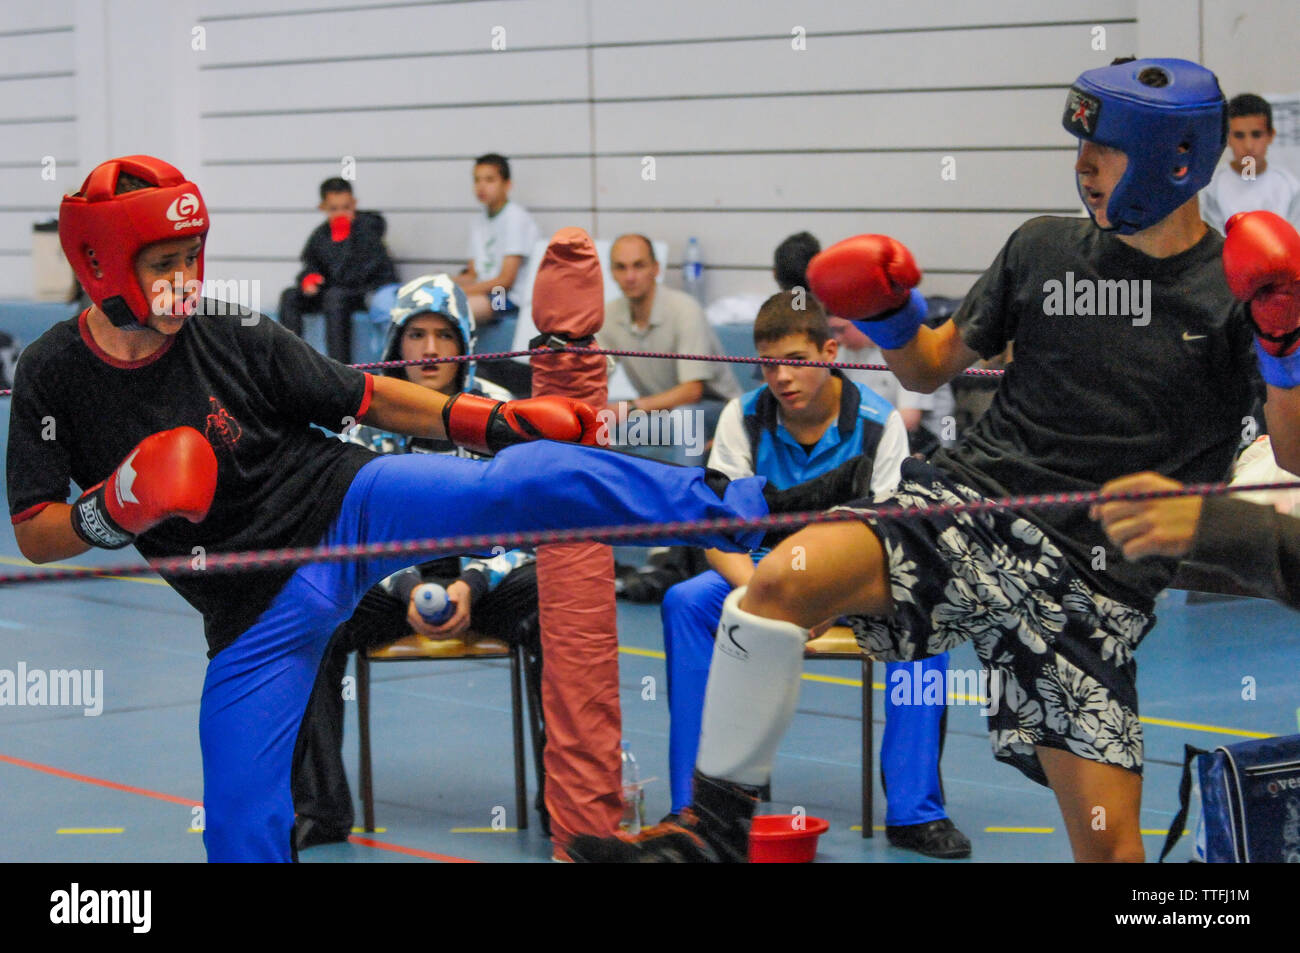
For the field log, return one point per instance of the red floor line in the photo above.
(87, 779)
(412, 851)
(189, 802)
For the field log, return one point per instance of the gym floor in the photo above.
(124, 785)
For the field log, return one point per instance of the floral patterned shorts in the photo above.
(1058, 654)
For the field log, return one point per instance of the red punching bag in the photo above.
(576, 580)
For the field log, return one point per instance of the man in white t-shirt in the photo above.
(500, 242)
(1249, 183)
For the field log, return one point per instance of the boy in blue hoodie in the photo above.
(495, 597)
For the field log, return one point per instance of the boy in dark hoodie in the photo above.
(344, 261)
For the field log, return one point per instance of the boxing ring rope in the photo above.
(274, 558)
(264, 559)
(661, 355)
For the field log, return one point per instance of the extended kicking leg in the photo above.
(822, 572)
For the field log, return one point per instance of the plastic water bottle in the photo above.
(432, 603)
(633, 795)
(693, 272)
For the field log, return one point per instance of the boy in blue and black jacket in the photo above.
(802, 423)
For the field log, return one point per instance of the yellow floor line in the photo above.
(828, 679)
(836, 680)
(90, 830)
(644, 653)
(1212, 729)
(808, 676)
(878, 686)
(377, 830)
(1030, 830)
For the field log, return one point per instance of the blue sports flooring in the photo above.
(123, 785)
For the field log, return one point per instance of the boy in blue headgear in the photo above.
(1054, 610)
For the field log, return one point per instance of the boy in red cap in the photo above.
(181, 409)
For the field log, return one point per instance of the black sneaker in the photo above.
(661, 844)
(714, 830)
(933, 839)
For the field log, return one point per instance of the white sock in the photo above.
(752, 693)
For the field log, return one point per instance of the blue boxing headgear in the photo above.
(1171, 120)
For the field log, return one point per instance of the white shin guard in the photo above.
(752, 693)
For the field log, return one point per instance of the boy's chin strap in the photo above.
(752, 694)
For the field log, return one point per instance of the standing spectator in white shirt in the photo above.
(1249, 183)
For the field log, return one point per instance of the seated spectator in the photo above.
(802, 423)
(344, 262)
(10, 348)
(790, 260)
(923, 414)
(652, 317)
(500, 241)
(1249, 182)
(495, 597)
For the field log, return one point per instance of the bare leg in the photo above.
(481, 305)
(822, 572)
(1100, 805)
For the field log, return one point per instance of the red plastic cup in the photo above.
(785, 838)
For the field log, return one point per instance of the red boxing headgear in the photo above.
(102, 233)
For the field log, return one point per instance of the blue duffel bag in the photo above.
(1250, 802)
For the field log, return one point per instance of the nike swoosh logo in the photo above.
(1192, 337)
(731, 634)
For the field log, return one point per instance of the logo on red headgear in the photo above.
(183, 207)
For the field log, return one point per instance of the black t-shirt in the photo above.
(252, 388)
(1090, 397)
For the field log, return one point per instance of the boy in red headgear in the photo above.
(165, 406)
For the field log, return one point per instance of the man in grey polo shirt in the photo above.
(651, 317)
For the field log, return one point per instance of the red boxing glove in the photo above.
(340, 228)
(1261, 260)
(863, 276)
(311, 283)
(172, 473)
(486, 426)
